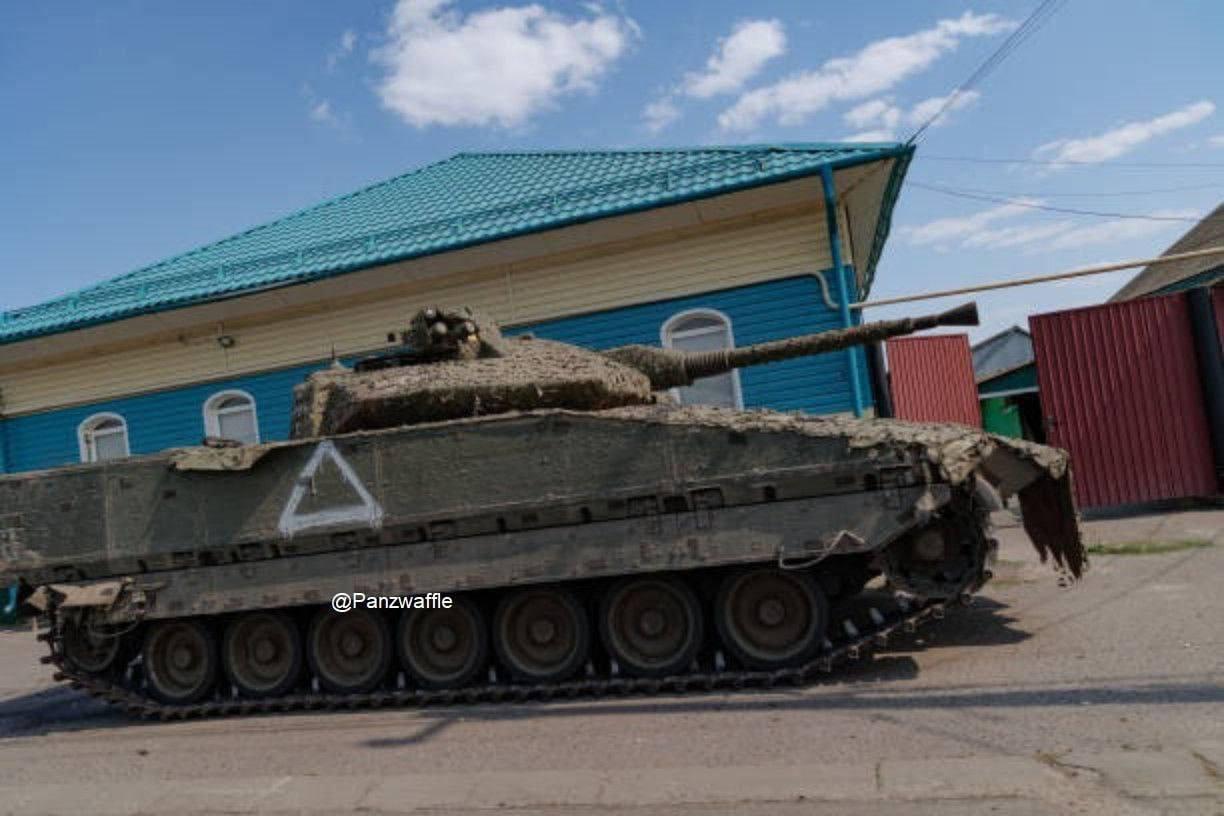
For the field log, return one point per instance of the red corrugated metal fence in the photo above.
(932, 379)
(1120, 390)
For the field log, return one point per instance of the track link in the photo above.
(851, 645)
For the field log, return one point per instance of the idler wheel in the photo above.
(651, 626)
(541, 635)
(443, 648)
(89, 649)
(262, 654)
(350, 652)
(770, 618)
(180, 659)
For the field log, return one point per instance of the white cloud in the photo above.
(321, 111)
(738, 58)
(495, 67)
(348, 41)
(659, 114)
(1216, 141)
(1118, 230)
(1123, 139)
(959, 228)
(1017, 235)
(873, 112)
(872, 136)
(927, 108)
(884, 117)
(978, 230)
(872, 70)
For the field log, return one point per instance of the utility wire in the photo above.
(1069, 162)
(1047, 194)
(1019, 202)
(1039, 17)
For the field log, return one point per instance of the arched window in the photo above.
(704, 330)
(231, 415)
(102, 437)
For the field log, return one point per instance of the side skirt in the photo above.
(795, 532)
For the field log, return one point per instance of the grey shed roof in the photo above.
(1207, 233)
(1002, 352)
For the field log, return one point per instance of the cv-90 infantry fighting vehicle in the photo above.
(586, 533)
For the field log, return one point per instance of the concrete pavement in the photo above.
(1138, 782)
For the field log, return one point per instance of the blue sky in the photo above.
(136, 130)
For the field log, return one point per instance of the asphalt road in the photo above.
(1104, 697)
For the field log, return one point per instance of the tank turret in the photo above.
(456, 364)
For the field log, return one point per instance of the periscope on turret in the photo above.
(582, 520)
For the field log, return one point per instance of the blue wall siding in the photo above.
(767, 311)
(157, 421)
(764, 311)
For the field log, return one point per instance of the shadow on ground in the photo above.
(57, 708)
(857, 697)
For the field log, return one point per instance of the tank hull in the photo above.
(649, 541)
(207, 508)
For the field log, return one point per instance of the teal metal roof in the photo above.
(467, 199)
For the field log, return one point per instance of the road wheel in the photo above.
(443, 648)
(350, 652)
(770, 618)
(541, 635)
(91, 649)
(180, 660)
(262, 654)
(652, 626)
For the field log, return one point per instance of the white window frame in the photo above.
(212, 414)
(667, 334)
(85, 445)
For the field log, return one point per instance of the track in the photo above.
(851, 644)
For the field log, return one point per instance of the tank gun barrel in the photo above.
(669, 368)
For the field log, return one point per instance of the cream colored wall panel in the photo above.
(718, 259)
(602, 290)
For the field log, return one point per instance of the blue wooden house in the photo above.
(693, 248)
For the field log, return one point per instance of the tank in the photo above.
(474, 517)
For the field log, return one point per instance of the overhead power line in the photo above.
(1039, 17)
(1094, 194)
(1071, 162)
(1020, 202)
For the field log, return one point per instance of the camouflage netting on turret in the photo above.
(533, 374)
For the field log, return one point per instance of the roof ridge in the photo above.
(1013, 327)
(756, 147)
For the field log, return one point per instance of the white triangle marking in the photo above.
(369, 512)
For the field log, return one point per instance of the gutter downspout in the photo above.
(839, 269)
